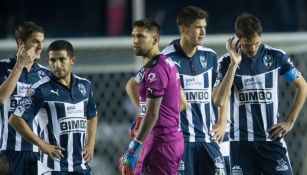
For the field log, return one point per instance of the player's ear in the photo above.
(73, 60)
(181, 28)
(20, 42)
(156, 39)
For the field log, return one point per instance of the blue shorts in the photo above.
(267, 157)
(22, 162)
(201, 158)
(160, 159)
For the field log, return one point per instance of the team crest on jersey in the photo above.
(219, 162)
(152, 77)
(268, 61)
(282, 165)
(203, 61)
(82, 88)
(41, 74)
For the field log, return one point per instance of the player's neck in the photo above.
(187, 48)
(29, 66)
(66, 81)
(151, 54)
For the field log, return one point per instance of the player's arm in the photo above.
(132, 91)
(150, 118)
(24, 57)
(183, 101)
(20, 125)
(218, 130)
(89, 147)
(282, 128)
(222, 91)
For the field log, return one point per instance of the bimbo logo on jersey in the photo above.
(72, 124)
(197, 95)
(256, 96)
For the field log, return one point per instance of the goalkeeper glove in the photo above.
(134, 127)
(128, 160)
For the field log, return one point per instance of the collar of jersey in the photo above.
(153, 61)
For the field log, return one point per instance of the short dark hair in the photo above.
(247, 26)
(189, 14)
(149, 24)
(62, 45)
(24, 30)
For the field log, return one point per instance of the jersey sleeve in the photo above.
(91, 110)
(2, 73)
(156, 82)
(214, 67)
(288, 71)
(221, 70)
(139, 75)
(29, 105)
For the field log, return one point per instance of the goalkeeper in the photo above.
(159, 89)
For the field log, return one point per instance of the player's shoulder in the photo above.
(169, 49)
(43, 68)
(7, 62)
(82, 80)
(274, 51)
(42, 82)
(206, 49)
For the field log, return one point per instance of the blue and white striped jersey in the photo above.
(64, 113)
(254, 97)
(197, 77)
(9, 138)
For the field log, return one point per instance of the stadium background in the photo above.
(104, 55)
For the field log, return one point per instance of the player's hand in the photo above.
(88, 153)
(134, 127)
(233, 51)
(25, 57)
(128, 160)
(55, 152)
(280, 129)
(218, 132)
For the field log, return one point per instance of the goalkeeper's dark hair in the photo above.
(26, 29)
(149, 24)
(189, 14)
(247, 26)
(62, 45)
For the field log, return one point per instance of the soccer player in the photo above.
(251, 71)
(159, 92)
(197, 66)
(17, 74)
(67, 107)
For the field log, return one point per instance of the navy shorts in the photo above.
(201, 158)
(85, 172)
(21, 162)
(256, 157)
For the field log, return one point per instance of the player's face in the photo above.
(195, 33)
(36, 40)
(60, 63)
(142, 41)
(250, 46)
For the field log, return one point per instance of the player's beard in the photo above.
(60, 74)
(141, 52)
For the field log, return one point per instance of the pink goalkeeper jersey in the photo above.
(160, 78)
